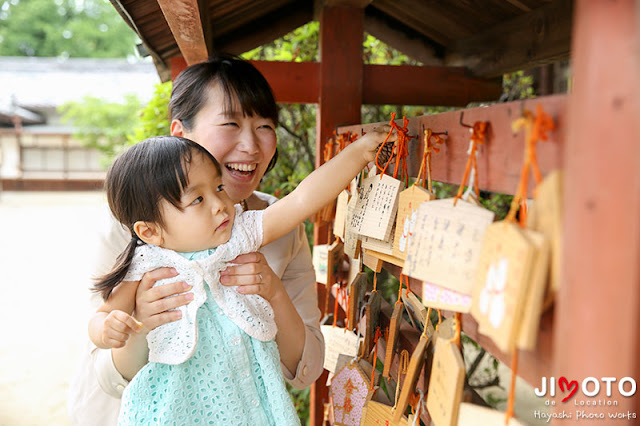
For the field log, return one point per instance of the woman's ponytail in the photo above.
(106, 283)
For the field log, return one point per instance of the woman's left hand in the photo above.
(252, 275)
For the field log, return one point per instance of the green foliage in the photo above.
(103, 125)
(301, 402)
(154, 116)
(66, 28)
(517, 85)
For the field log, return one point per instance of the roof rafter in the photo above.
(183, 17)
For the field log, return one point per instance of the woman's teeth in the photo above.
(242, 167)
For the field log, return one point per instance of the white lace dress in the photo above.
(219, 364)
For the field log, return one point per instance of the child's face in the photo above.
(208, 212)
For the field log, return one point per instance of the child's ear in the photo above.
(148, 232)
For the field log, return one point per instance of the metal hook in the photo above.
(461, 123)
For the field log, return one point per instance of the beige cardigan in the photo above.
(95, 391)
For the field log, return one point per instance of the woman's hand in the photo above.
(252, 275)
(154, 304)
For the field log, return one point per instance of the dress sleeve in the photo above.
(299, 280)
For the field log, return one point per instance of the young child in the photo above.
(219, 363)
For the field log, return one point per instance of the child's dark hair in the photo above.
(148, 172)
(238, 79)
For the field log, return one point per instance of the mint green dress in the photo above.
(231, 379)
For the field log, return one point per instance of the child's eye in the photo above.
(220, 188)
(197, 201)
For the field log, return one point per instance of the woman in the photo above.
(226, 106)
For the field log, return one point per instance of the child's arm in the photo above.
(112, 324)
(320, 187)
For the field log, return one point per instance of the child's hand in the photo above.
(372, 140)
(118, 326)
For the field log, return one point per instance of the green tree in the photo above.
(67, 28)
(103, 125)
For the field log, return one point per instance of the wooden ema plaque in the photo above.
(546, 217)
(379, 414)
(394, 330)
(375, 211)
(534, 299)
(416, 310)
(326, 261)
(504, 268)
(349, 390)
(472, 415)
(356, 290)
(337, 341)
(409, 386)
(408, 202)
(445, 384)
(446, 245)
(351, 240)
(438, 297)
(380, 246)
(340, 220)
(371, 315)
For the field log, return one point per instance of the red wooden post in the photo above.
(339, 102)
(597, 324)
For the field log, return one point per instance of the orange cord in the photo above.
(537, 127)
(512, 387)
(478, 136)
(375, 281)
(401, 147)
(425, 165)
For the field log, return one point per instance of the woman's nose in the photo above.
(249, 142)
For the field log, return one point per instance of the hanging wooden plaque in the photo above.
(373, 262)
(505, 265)
(349, 390)
(472, 415)
(416, 310)
(446, 244)
(371, 315)
(337, 341)
(380, 246)
(438, 297)
(356, 290)
(377, 206)
(320, 262)
(547, 218)
(445, 384)
(413, 372)
(341, 214)
(351, 239)
(408, 202)
(394, 331)
(532, 309)
(379, 414)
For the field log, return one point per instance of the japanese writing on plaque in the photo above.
(446, 244)
(379, 212)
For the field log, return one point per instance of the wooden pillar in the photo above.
(339, 103)
(597, 322)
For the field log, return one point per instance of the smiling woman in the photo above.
(226, 106)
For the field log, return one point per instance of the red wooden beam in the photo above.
(412, 85)
(500, 158)
(598, 308)
(299, 82)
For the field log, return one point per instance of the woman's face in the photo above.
(242, 145)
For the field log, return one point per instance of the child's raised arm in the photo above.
(112, 324)
(320, 187)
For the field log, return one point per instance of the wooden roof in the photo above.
(488, 37)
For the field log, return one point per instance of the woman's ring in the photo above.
(260, 275)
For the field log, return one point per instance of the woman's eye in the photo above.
(231, 123)
(267, 126)
(220, 188)
(197, 201)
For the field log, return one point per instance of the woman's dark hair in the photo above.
(238, 79)
(150, 171)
